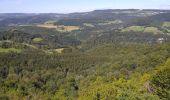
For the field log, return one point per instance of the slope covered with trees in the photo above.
(113, 55)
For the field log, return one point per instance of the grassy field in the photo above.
(166, 25)
(111, 22)
(8, 41)
(115, 22)
(134, 29)
(49, 26)
(63, 28)
(168, 30)
(63, 50)
(51, 22)
(152, 30)
(60, 50)
(37, 40)
(60, 28)
(7, 50)
(88, 25)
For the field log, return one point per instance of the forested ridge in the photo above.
(99, 55)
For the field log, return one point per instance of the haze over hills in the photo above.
(67, 6)
(112, 54)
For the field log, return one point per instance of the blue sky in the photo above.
(67, 6)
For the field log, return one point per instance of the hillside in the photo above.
(98, 55)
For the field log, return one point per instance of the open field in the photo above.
(7, 50)
(47, 26)
(37, 40)
(152, 30)
(134, 29)
(60, 28)
(166, 25)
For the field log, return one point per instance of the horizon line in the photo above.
(81, 11)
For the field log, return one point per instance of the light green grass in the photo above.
(29, 45)
(111, 22)
(168, 30)
(37, 40)
(152, 30)
(115, 22)
(8, 41)
(63, 50)
(50, 22)
(60, 50)
(166, 25)
(7, 50)
(88, 25)
(134, 29)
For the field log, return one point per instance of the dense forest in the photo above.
(98, 55)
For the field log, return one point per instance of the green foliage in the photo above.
(110, 55)
(8, 50)
(45, 41)
(161, 81)
(108, 71)
(118, 89)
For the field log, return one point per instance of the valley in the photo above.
(112, 54)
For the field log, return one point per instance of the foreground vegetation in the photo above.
(112, 71)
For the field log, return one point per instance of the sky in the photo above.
(68, 6)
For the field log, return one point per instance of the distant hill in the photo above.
(33, 18)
